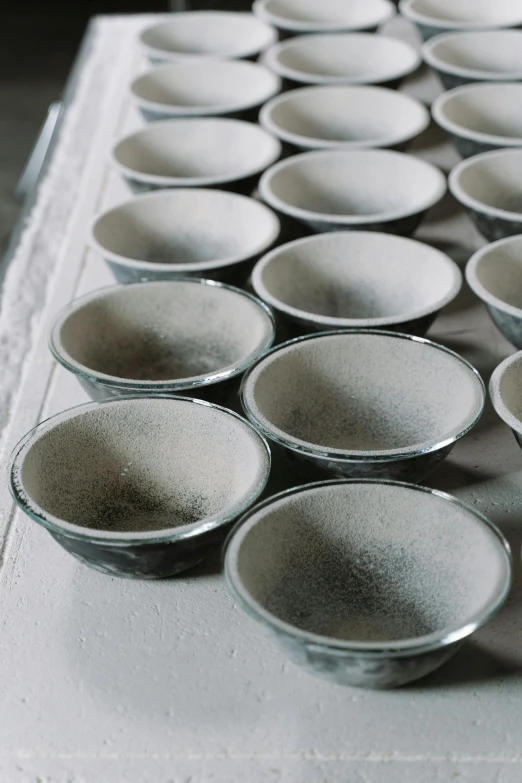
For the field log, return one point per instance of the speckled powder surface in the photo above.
(366, 182)
(495, 180)
(218, 83)
(344, 114)
(495, 51)
(209, 147)
(488, 109)
(363, 393)
(500, 272)
(359, 563)
(185, 227)
(365, 59)
(143, 464)
(165, 680)
(358, 275)
(164, 331)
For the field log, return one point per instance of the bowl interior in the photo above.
(493, 179)
(348, 183)
(499, 272)
(492, 109)
(197, 149)
(352, 56)
(140, 465)
(167, 331)
(347, 114)
(369, 563)
(363, 394)
(480, 12)
(206, 84)
(508, 392)
(217, 34)
(353, 275)
(495, 53)
(327, 13)
(185, 227)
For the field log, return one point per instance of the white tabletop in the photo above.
(104, 679)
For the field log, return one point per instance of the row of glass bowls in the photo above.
(146, 482)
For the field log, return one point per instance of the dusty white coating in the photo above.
(504, 390)
(135, 467)
(341, 116)
(352, 187)
(169, 677)
(185, 229)
(369, 566)
(195, 152)
(494, 273)
(486, 113)
(463, 14)
(494, 55)
(350, 58)
(206, 34)
(310, 16)
(490, 183)
(363, 394)
(347, 279)
(204, 88)
(162, 333)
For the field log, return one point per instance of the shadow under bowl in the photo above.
(363, 404)
(435, 18)
(184, 337)
(348, 117)
(139, 487)
(294, 17)
(466, 58)
(207, 152)
(349, 58)
(230, 88)
(196, 35)
(366, 190)
(184, 232)
(368, 584)
(356, 279)
(488, 187)
(481, 117)
(494, 273)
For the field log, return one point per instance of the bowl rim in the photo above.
(122, 538)
(178, 270)
(399, 648)
(430, 57)
(407, 9)
(333, 322)
(272, 61)
(439, 106)
(307, 215)
(274, 152)
(473, 203)
(356, 455)
(203, 110)
(140, 386)
(478, 288)
(422, 120)
(501, 409)
(259, 8)
(207, 16)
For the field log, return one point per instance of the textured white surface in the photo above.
(102, 679)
